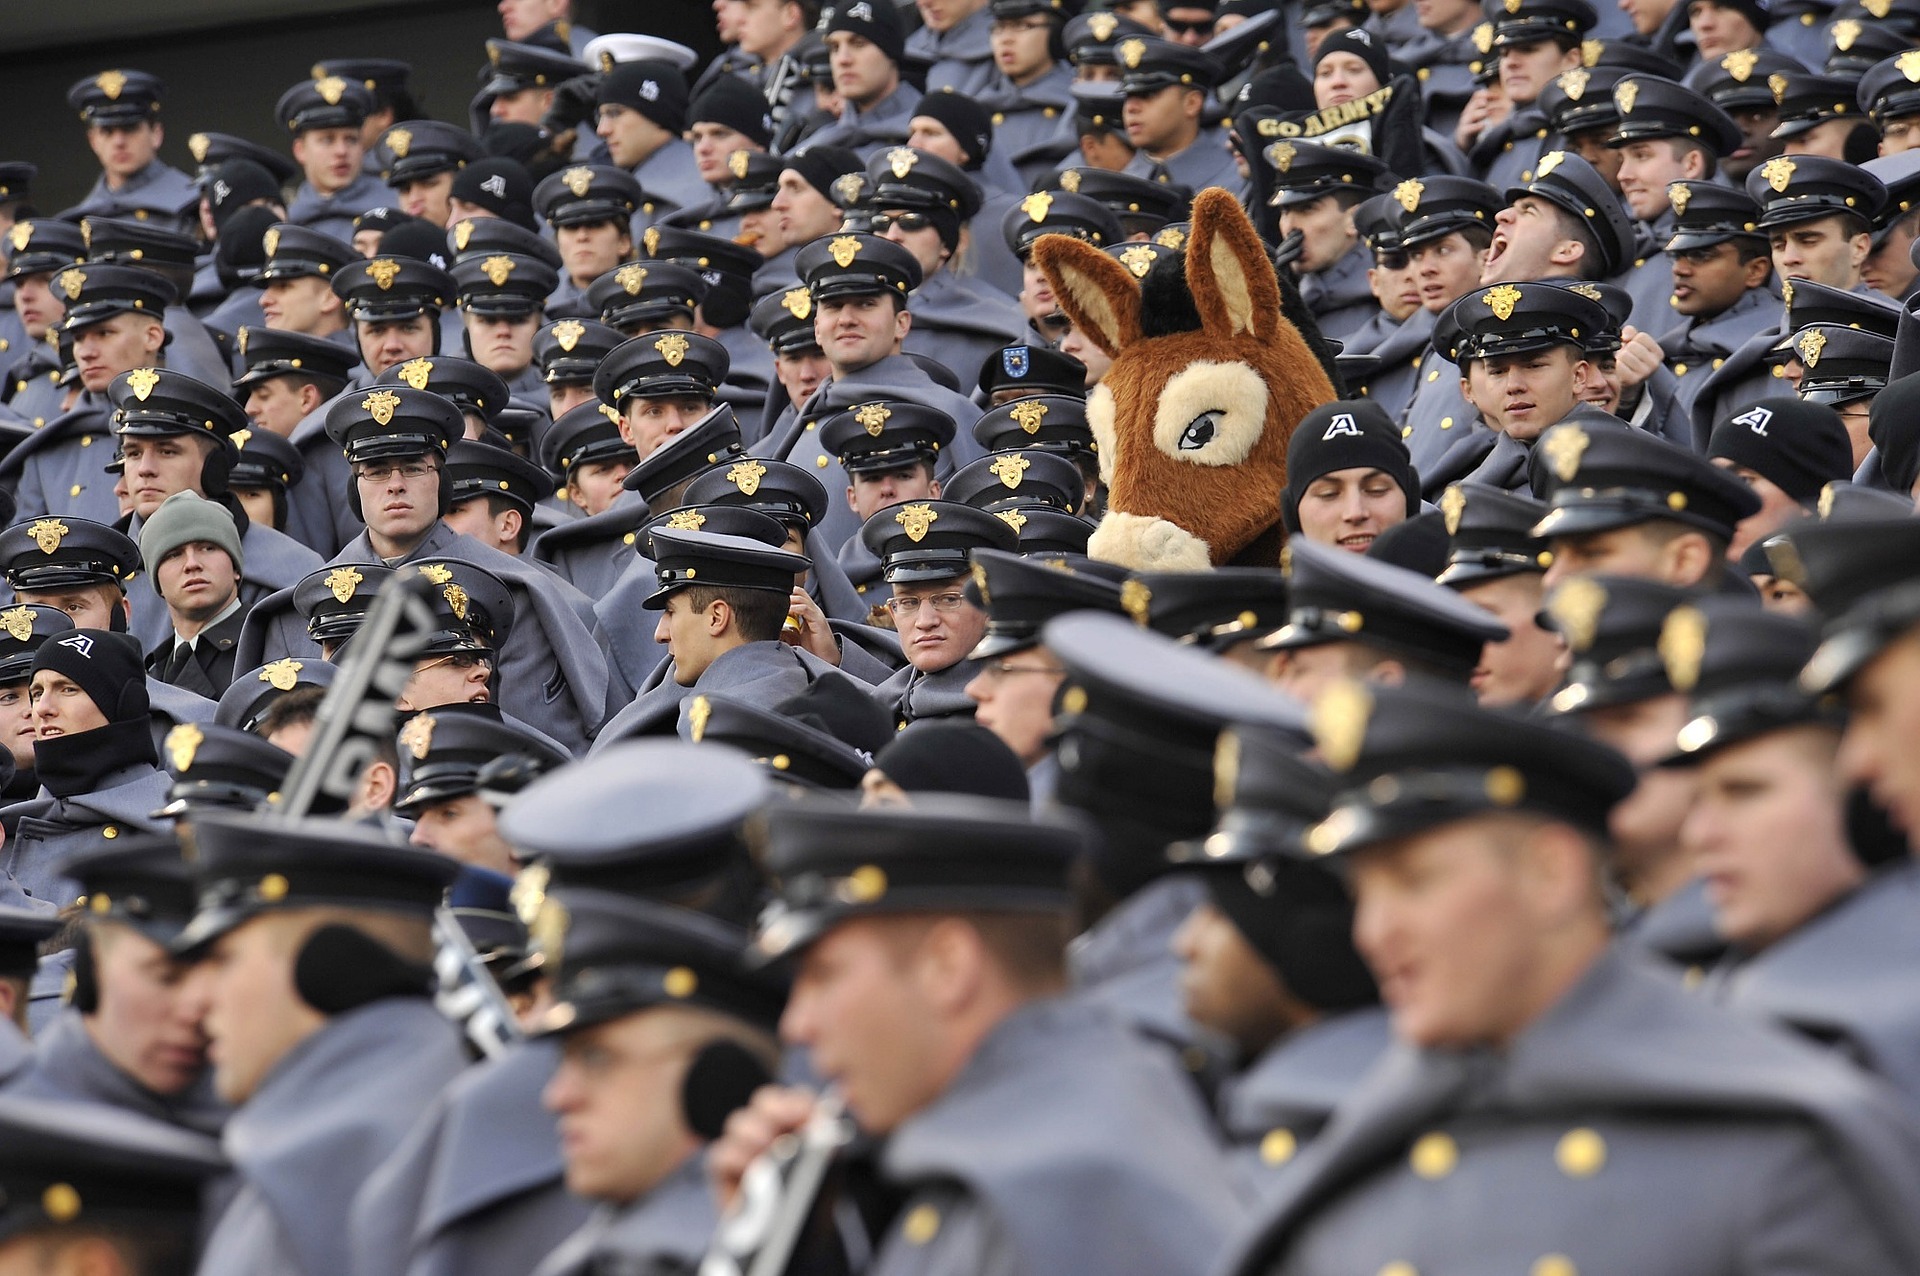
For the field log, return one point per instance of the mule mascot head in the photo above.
(1208, 380)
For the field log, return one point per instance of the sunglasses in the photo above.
(1202, 27)
(905, 221)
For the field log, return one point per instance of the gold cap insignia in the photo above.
(1809, 344)
(400, 141)
(1135, 600)
(686, 520)
(901, 159)
(457, 600)
(380, 405)
(746, 476)
(1575, 607)
(342, 581)
(1565, 446)
(282, 674)
(241, 338)
(142, 381)
(1339, 721)
(462, 232)
(18, 622)
(844, 250)
(241, 438)
(438, 573)
(1679, 194)
(1625, 94)
(611, 414)
(1101, 26)
(331, 89)
(567, 334)
(980, 584)
(737, 164)
(697, 714)
(417, 735)
(61, 1202)
(182, 743)
(651, 240)
(873, 417)
(529, 892)
(672, 347)
(47, 533)
(1574, 83)
(1027, 414)
(1548, 162)
(1012, 518)
(1501, 301)
(86, 232)
(1281, 155)
(548, 930)
(1682, 645)
(862, 886)
(1845, 32)
(632, 279)
(1779, 173)
(20, 236)
(798, 301)
(1170, 237)
(1035, 206)
(1588, 291)
(578, 180)
(270, 242)
(1878, 8)
(383, 271)
(1786, 291)
(1740, 64)
(111, 83)
(1070, 181)
(1453, 503)
(1010, 468)
(916, 519)
(497, 269)
(1909, 64)
(1778, 84)
(1131, 52)
(1138, 260)
(1827, 497)
(1483, 37)
(847, 189)
(71, 282)
(1511, 6)
(199, 144)
(1409, 192)
(416, 373)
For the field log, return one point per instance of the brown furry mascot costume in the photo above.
(1209, 378)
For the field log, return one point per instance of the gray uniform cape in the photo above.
(885, 123)
(1398, 348)
(1700, 347)
(958, 323)
(1338, 297)
(333, 214)
(914, 696)
(1125, 964)
(1203, 162)
(1649, 281)
(43, 830)
(61, 469)
(1285, 1097)
(1438, 415)
(159, 193)
(1033, 127)
(959, 58)
(671, 177)
(68, 1065)
(664, 1233)
(761, 673)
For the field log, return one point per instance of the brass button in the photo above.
(110, 832)
(1553, 1265)
(922, 1224)
(1278, 1147)
(1446, 423)
(1580, 1153)
(1434, 1155)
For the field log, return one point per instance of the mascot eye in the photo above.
(1199, 431)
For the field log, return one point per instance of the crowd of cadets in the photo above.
(1516, 878)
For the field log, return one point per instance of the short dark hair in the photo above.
(757, 613)
(297, 708)
(498, 505)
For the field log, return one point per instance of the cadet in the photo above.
(418, 159)
(867, 47)
(496, 493)
(1048, 213)
(1566, 223)
(121, 109)
(313, 960)
(264, 476)
(22, 629)
(40, 250)
(1268, 958)
(1494, 561)
(288, 377)
(1818, 116)
(194, 558)
(324, 117)
(890, 453)
(1348, 476)
(1721, 266)
(1169, 91)
(397, 322)
(591, 208)
(501, 297)
(22, 932)
(1818, 215)
(1028, 106)
(1502, 958)
(129, 1037)
(641, 108)
(1532, 42)
(1446, 226)
(1787, 450)
(94, 757)
(442, 756)
(1887, 95)
(296, 283)
(727, 269)
(586, 455)
(784, 320)
(1629, 504)
(1316, 190)
(1382, 358)
(568, 352)
(961, 955)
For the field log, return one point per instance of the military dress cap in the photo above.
(1742, 80)
(1860, 575)
(115, 241)
(1574, 186)
(1581, 99)
(94, 294)
(784, 320)
(392, 288)
(921, 541)
(253, 692)
(1900, 174)
(98, 1169)
(443, 750)
(1809, 101)
(16, 180)
(1007, 480)
(1408, 759)
(1740, 669)
(1377, 221)
(585, 194)
(660, 365)
(246, 865)
(153, 402)
(1602, 479)
(684, 559)
(1058, 212)
(1034, 371)
(1324, 13)
(1891, 89)
(568, 351)
(40, 247)
(1435, 207)
(23, 627)
(335, 600)
(1532, 21)
(219, 768)
(582, 436)
(490, 236)
(142, 881)
(856, 265)
(1149, 64)
(782, 491)
(1212, 609)
(1612, 626)
(712, 440)
(1303, 172)
(830, 863)
(1847, 502)
(646, 293)
(329, 102)
(276, 352)
(504, 285)
(902, 177)
(1090, 38)
(1490, 535)
(1047, 529)
(1801, 188)
(1651, 107)
(1708, 213)
(212, 150)
(472, 607)
(1840, 364)
(1020, 595)
(415, 150)
(798, 752)
(265, 461)
(513, 66)
(716, 520)
(1810, 304)
(477, 469)
(1045, 422)
(64, 552)
(1337, 596)
(885, 435)
(296, 252)
(604, 51)
(1141, 203)
(1515, 318)
(720, 262)
(388, 421)
(117, 98)
(379, 76)
(22, 932)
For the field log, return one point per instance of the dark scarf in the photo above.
(70, 765)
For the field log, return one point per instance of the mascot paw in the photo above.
(1148, 544)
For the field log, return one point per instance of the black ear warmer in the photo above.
(84, 993)
(721, 1079)
(341, 969)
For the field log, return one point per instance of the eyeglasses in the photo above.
(381, 471)
(942, 604)
(905, 221)
(465, 661)
(1698, 256)
(1202, 27)
(1391, 261)
(994, 670)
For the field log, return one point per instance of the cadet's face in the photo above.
(1717, 31)
(144, 1025)
(90, 607)
(1646, 170)
(34, 302)
(1523, 394)
(1890, 270)
(924, 133)
(1646, 826)
(464, 829)
(1394, 284)
(1080, 346)
(258, 504)
(1020, 47)
(1525, 668)
(801, 374)
(1349, 508)
(767, 27)
(1342, 77)
(440, 680)
(1646, 15)
(589, 251)
(1036, 294)
(936, 639)
(650, 422)
(16, 724)
(617, 1091)
(863, 74)
(629, 135)
(944, 15)
(104, 350)
(1767, 834)
(1591, 145)
(689, 635)
(805, 214)
(525, 107)
(1525, 69)
(1821, 251)
(1326, 229)
(197, 580)
(1226, 985)
(1827, 139)
(1625, 551)
(156, 468)
(712, 145)
(859, 1008)
(61, 707)
(1883, 703)
(925, 243)
(871, 491)
(564, 396)
(1525, 235)
(427, 197)
(521, 18)
(1160, 122)
(1778, 594)
(1899, 135)
(594, 485)
(385, 342)
(330, 157)
(124, 150)
(278, 404)
(1014, 695)
(1446, 268)
(1305, 672)
(396, 504)
(1776, 510)
(1708, 280)
(855, 332)
(252, 1012)
(501, 344)
(300, 305)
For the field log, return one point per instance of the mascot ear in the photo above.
(1228, 271)
(1094, 290)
